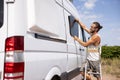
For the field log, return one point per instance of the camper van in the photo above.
(36, 40)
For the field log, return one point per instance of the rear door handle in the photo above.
(10, 1)
(82, 49)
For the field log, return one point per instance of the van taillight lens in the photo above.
(14, 67)
(14, 43)
(14, 58)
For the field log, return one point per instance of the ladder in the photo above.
(91, 72)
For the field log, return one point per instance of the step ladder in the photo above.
(92, 73)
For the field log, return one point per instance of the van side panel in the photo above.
(76, 52)
(72, 55)
(72, 48)
(17, 19)
(44, 54)
(3, 29)
(48, 16)
(3, 35)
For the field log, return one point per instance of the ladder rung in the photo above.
(93, 73)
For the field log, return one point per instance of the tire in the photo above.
(56, 78)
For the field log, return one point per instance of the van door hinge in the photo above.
(10, 1)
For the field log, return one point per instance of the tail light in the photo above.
(14, 58)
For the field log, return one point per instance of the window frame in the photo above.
(1, 12)
(83, 34)
(71, 24)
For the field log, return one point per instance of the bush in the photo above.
(110, 52)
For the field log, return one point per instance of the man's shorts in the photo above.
(94, 66)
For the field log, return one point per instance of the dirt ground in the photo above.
(110, 77)
(104, 77)
(110, 70)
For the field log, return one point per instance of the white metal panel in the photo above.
(43, 55)
(72, 54)
(49, 17)
(70, 40)
(1, 64)
(70, 8)
(33, 44)
(81, 49)
(30, 13)
(81, 55)
(52, 72)
(10, 1)
(79, 46)
(60, 1)
(17, 18)
(3, 35)
(3, 29)
(39, 64)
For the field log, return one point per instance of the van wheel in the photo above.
(56, 78)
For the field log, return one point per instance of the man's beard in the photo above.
(92, 31)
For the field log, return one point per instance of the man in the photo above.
(93, 47)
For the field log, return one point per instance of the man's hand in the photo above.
(82, 25)
(76, 20)
(75, 38)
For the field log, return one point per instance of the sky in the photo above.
(107, 13)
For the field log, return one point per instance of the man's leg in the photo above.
(97, 69)
(98, 78)
(88, 77)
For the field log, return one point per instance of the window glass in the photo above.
(1, 12)
(71, 0)
(83, 35)
(73, 27)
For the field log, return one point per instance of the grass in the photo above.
(111, 66)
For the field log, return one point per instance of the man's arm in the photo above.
(83, 26)
(89, 42)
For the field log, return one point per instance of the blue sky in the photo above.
(107, 13)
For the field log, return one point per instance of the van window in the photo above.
(71, 1)
(83, 34)
(74, 30)
(1, 13)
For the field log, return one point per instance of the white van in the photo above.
(36, 40)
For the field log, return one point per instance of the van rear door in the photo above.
(3, 33)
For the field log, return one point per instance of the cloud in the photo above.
(82, 0)
(85, 9)
(90, 17)
(90, 4)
